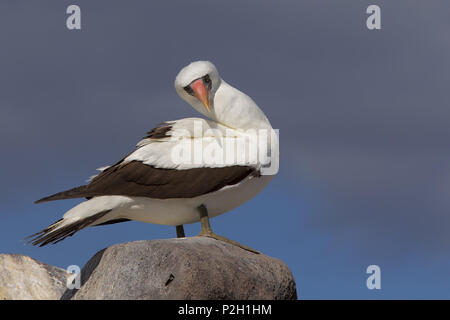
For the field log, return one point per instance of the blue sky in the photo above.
(363, 118)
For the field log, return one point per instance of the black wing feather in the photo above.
(140, 180)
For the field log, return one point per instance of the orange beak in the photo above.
(201, 92)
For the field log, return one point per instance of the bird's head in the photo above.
(197, 83)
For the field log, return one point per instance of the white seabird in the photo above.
(153, 185)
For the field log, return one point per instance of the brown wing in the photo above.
(140, 180)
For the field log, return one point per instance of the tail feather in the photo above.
(62, 229)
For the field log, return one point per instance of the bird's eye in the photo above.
(189, 90)
(207, 81)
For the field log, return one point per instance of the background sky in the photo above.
(363, 117)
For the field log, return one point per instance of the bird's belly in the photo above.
(160, 211)
(184, 211)
(233, 196)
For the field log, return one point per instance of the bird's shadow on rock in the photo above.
(86, 273)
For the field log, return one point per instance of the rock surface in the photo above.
(185, 268)
(23, 278)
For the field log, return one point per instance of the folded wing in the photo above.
(142, 173)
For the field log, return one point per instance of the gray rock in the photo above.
(23, 278)
(185, 268)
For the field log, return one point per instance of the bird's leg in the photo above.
(207, 231)
(180, 231)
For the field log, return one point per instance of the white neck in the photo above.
(235, 109)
